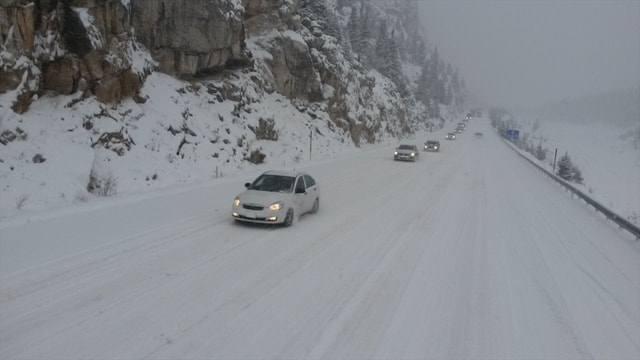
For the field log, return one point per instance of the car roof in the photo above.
(284, 173)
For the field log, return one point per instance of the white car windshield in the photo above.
(405, 147)
(274, 183)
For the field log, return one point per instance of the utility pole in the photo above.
(554, 161)
(310, 142)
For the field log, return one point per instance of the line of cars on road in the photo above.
(410, 152)
(279, 197)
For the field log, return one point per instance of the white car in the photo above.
(450, 136)
(277, 197)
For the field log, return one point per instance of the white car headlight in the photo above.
(276, 206)
(413, 154)
(395, 153)
(236, 202)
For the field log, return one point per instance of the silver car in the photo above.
(277, 197)
(406, 153)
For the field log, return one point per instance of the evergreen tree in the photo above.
(317, 10)
(433, 108)
(436, 77)
(380, 50)
(565, 167)
(365, 33)
(577, 175)
(353, 31)
(448, 98)
(541, 153)
(387, 60)
(422, 92)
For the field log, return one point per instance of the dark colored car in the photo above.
(432, 145)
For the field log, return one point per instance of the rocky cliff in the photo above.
(89, 46)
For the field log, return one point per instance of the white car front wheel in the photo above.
(288, 219)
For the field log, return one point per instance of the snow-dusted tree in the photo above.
(457, 90)
(436, 75)
(387, 60)
(422, 92)
(577, 175)
(541, 153)
(355, 32)
(359, 31)
(565, 167)
(318, 11)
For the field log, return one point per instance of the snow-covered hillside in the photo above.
(609, 158)
(607, 154)
(183, 133)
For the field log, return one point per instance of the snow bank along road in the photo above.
(467, 253)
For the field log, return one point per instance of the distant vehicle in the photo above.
(450, 136)
(406, 153)
(277, 197)
(432, 145)
(462, 125)
(458, 131)
(478, 134)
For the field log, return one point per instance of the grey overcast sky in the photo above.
(528, 53)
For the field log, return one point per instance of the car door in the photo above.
(312, 191)
(300, 196)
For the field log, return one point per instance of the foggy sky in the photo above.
(528, 53)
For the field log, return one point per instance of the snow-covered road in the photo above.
(467, 253)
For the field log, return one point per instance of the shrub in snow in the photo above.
(8, 136)
(577, 175)
(102, 186)
(541, 153)
(256, 157)
(101, 181)
(38, 158)
(265, 130)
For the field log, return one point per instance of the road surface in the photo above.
(467, 253)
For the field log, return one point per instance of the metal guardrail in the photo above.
(622, 222)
